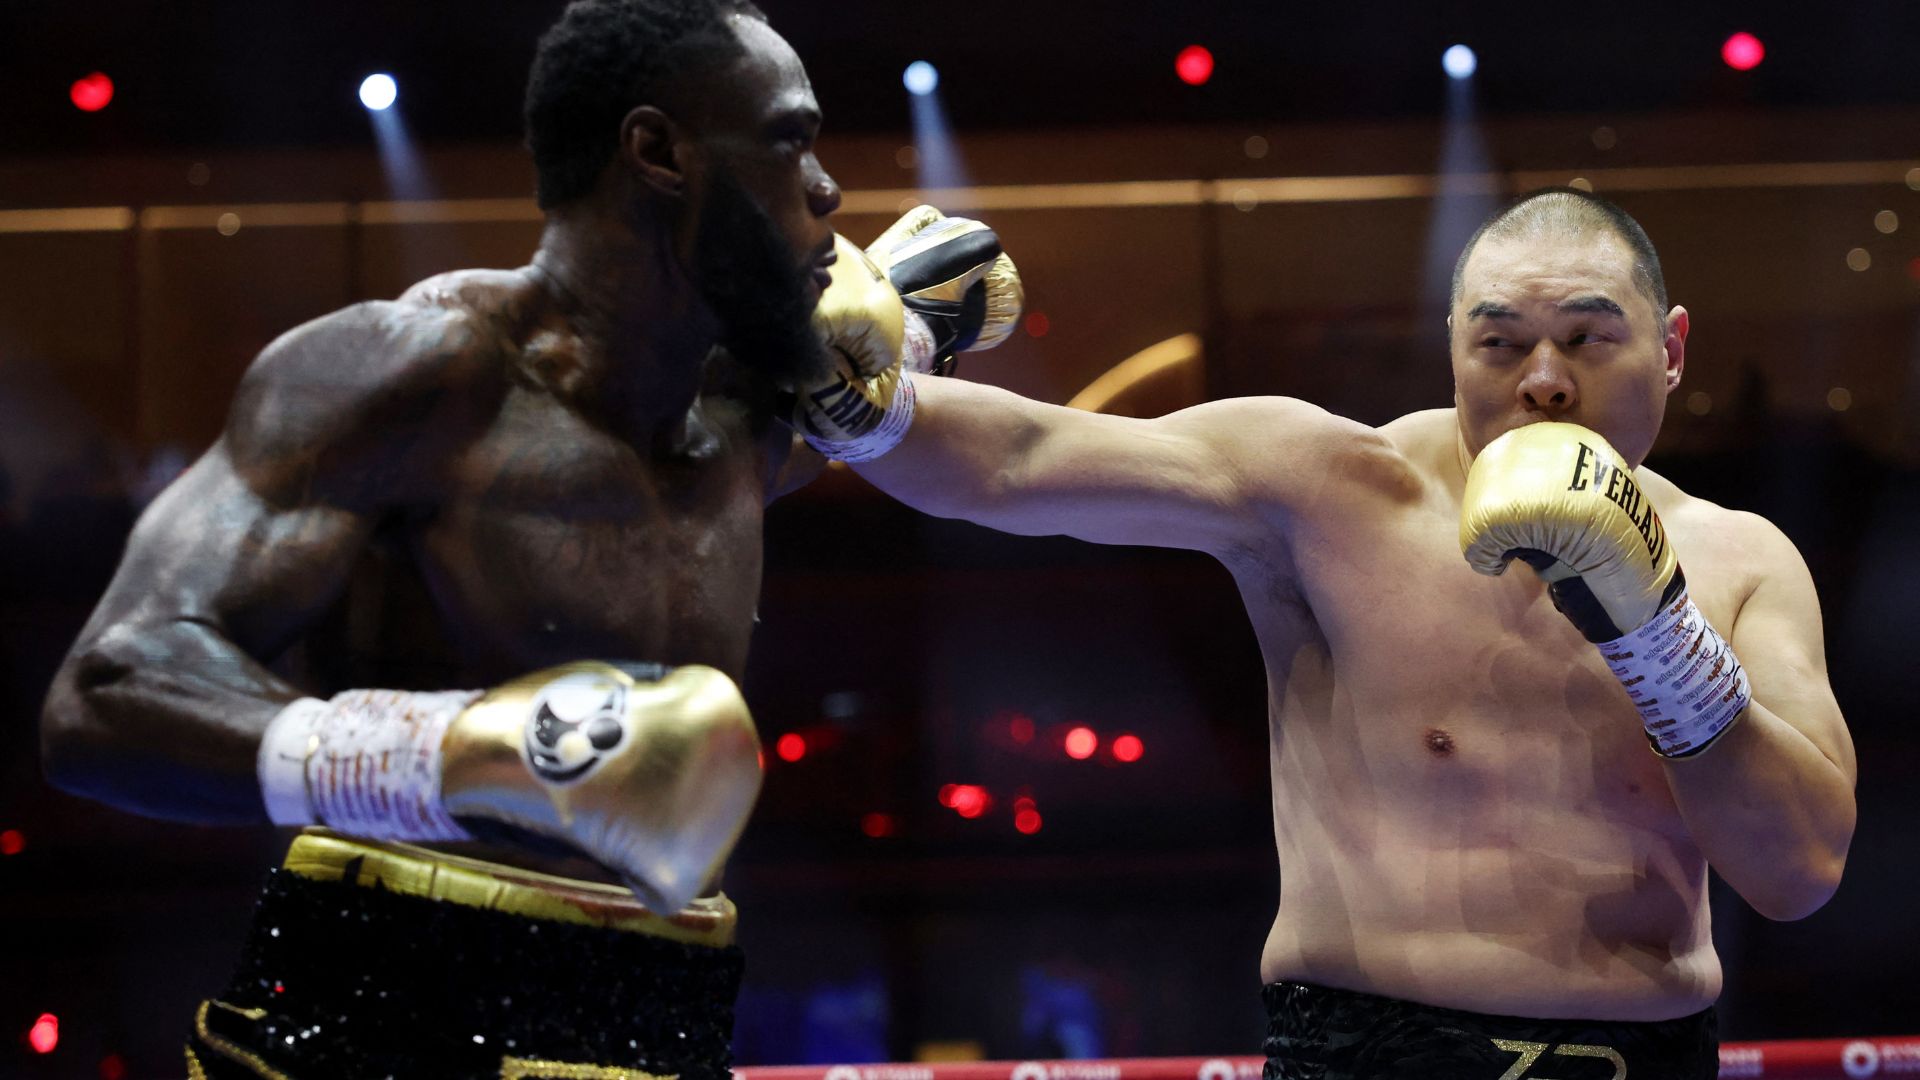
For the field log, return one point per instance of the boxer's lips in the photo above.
(822, 276)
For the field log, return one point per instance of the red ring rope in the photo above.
(1795, 1059)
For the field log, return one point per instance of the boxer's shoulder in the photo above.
(1282, 438)
(380, 381)
(1722, 549)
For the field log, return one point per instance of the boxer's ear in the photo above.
(648, 140)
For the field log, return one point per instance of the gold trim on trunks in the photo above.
(227, 1049)
(435, 875)
(512, 1068)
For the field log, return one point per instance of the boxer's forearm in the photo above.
(164, 720)
(1771, 812)
(974, 452)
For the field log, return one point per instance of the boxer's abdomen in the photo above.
(1466, 810)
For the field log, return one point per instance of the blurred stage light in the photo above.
(1038, 324)
(12, 842)
(1027, 821)
(378, 92)
(113, 1067)
(1020, 728)
(791, 747)
(970, 800)
(1743, 52)
(45, 1034)
(1459, 62)
(877, 825)
(921, 78)
(92, 93)
(1128, 748)
(1081, 742)
(1194, 65)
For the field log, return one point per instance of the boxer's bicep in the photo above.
(159, 705)
(1778, 637)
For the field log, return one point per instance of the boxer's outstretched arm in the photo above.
(1771, 805)
(159, 706)
(1204, 478)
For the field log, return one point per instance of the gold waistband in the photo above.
(434, 875)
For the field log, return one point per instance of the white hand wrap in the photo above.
(366, 763)
(1683, 678)
(918, 350)
(885, 435)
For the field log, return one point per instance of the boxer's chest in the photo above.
(1459, 685)
(556, 541)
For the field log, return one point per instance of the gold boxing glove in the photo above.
(650, 772)
(860, 316)
(1561, 499)
(953, 274)
(864, 403)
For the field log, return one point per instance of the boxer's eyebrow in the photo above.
(1487, 309)
(1592, 305)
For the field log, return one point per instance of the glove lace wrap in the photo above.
(366, 763)
(1683, 678)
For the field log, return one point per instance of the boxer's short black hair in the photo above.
(1570, 211)
(600, 60)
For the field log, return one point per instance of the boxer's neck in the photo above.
(643, 331)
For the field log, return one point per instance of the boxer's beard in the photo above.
(746, 273)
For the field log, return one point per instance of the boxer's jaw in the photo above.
(762, 295)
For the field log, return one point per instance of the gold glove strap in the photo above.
(433, 875)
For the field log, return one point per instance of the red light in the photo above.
(1128, 748)
(970, 800)
(1021, 726)
(12, 842)
(1743, 52)
(946, 794)
(113, 1067)
(1194, 65)
(790, 747)
(1027, 821)
(92, 93)
(45, 1034)
(1913, 269)
(1081, 743)
(877, 825)
(1038, 324)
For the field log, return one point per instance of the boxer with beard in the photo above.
(503, 472)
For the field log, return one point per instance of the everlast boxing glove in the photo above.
(1561, 499)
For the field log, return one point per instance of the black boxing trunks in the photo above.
(379, 960)
(1316, 1033)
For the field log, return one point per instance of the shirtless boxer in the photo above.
(1484, 872)
(506, 472)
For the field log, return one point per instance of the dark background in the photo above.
(1131, 923)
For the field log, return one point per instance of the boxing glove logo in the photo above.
(576, 721)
